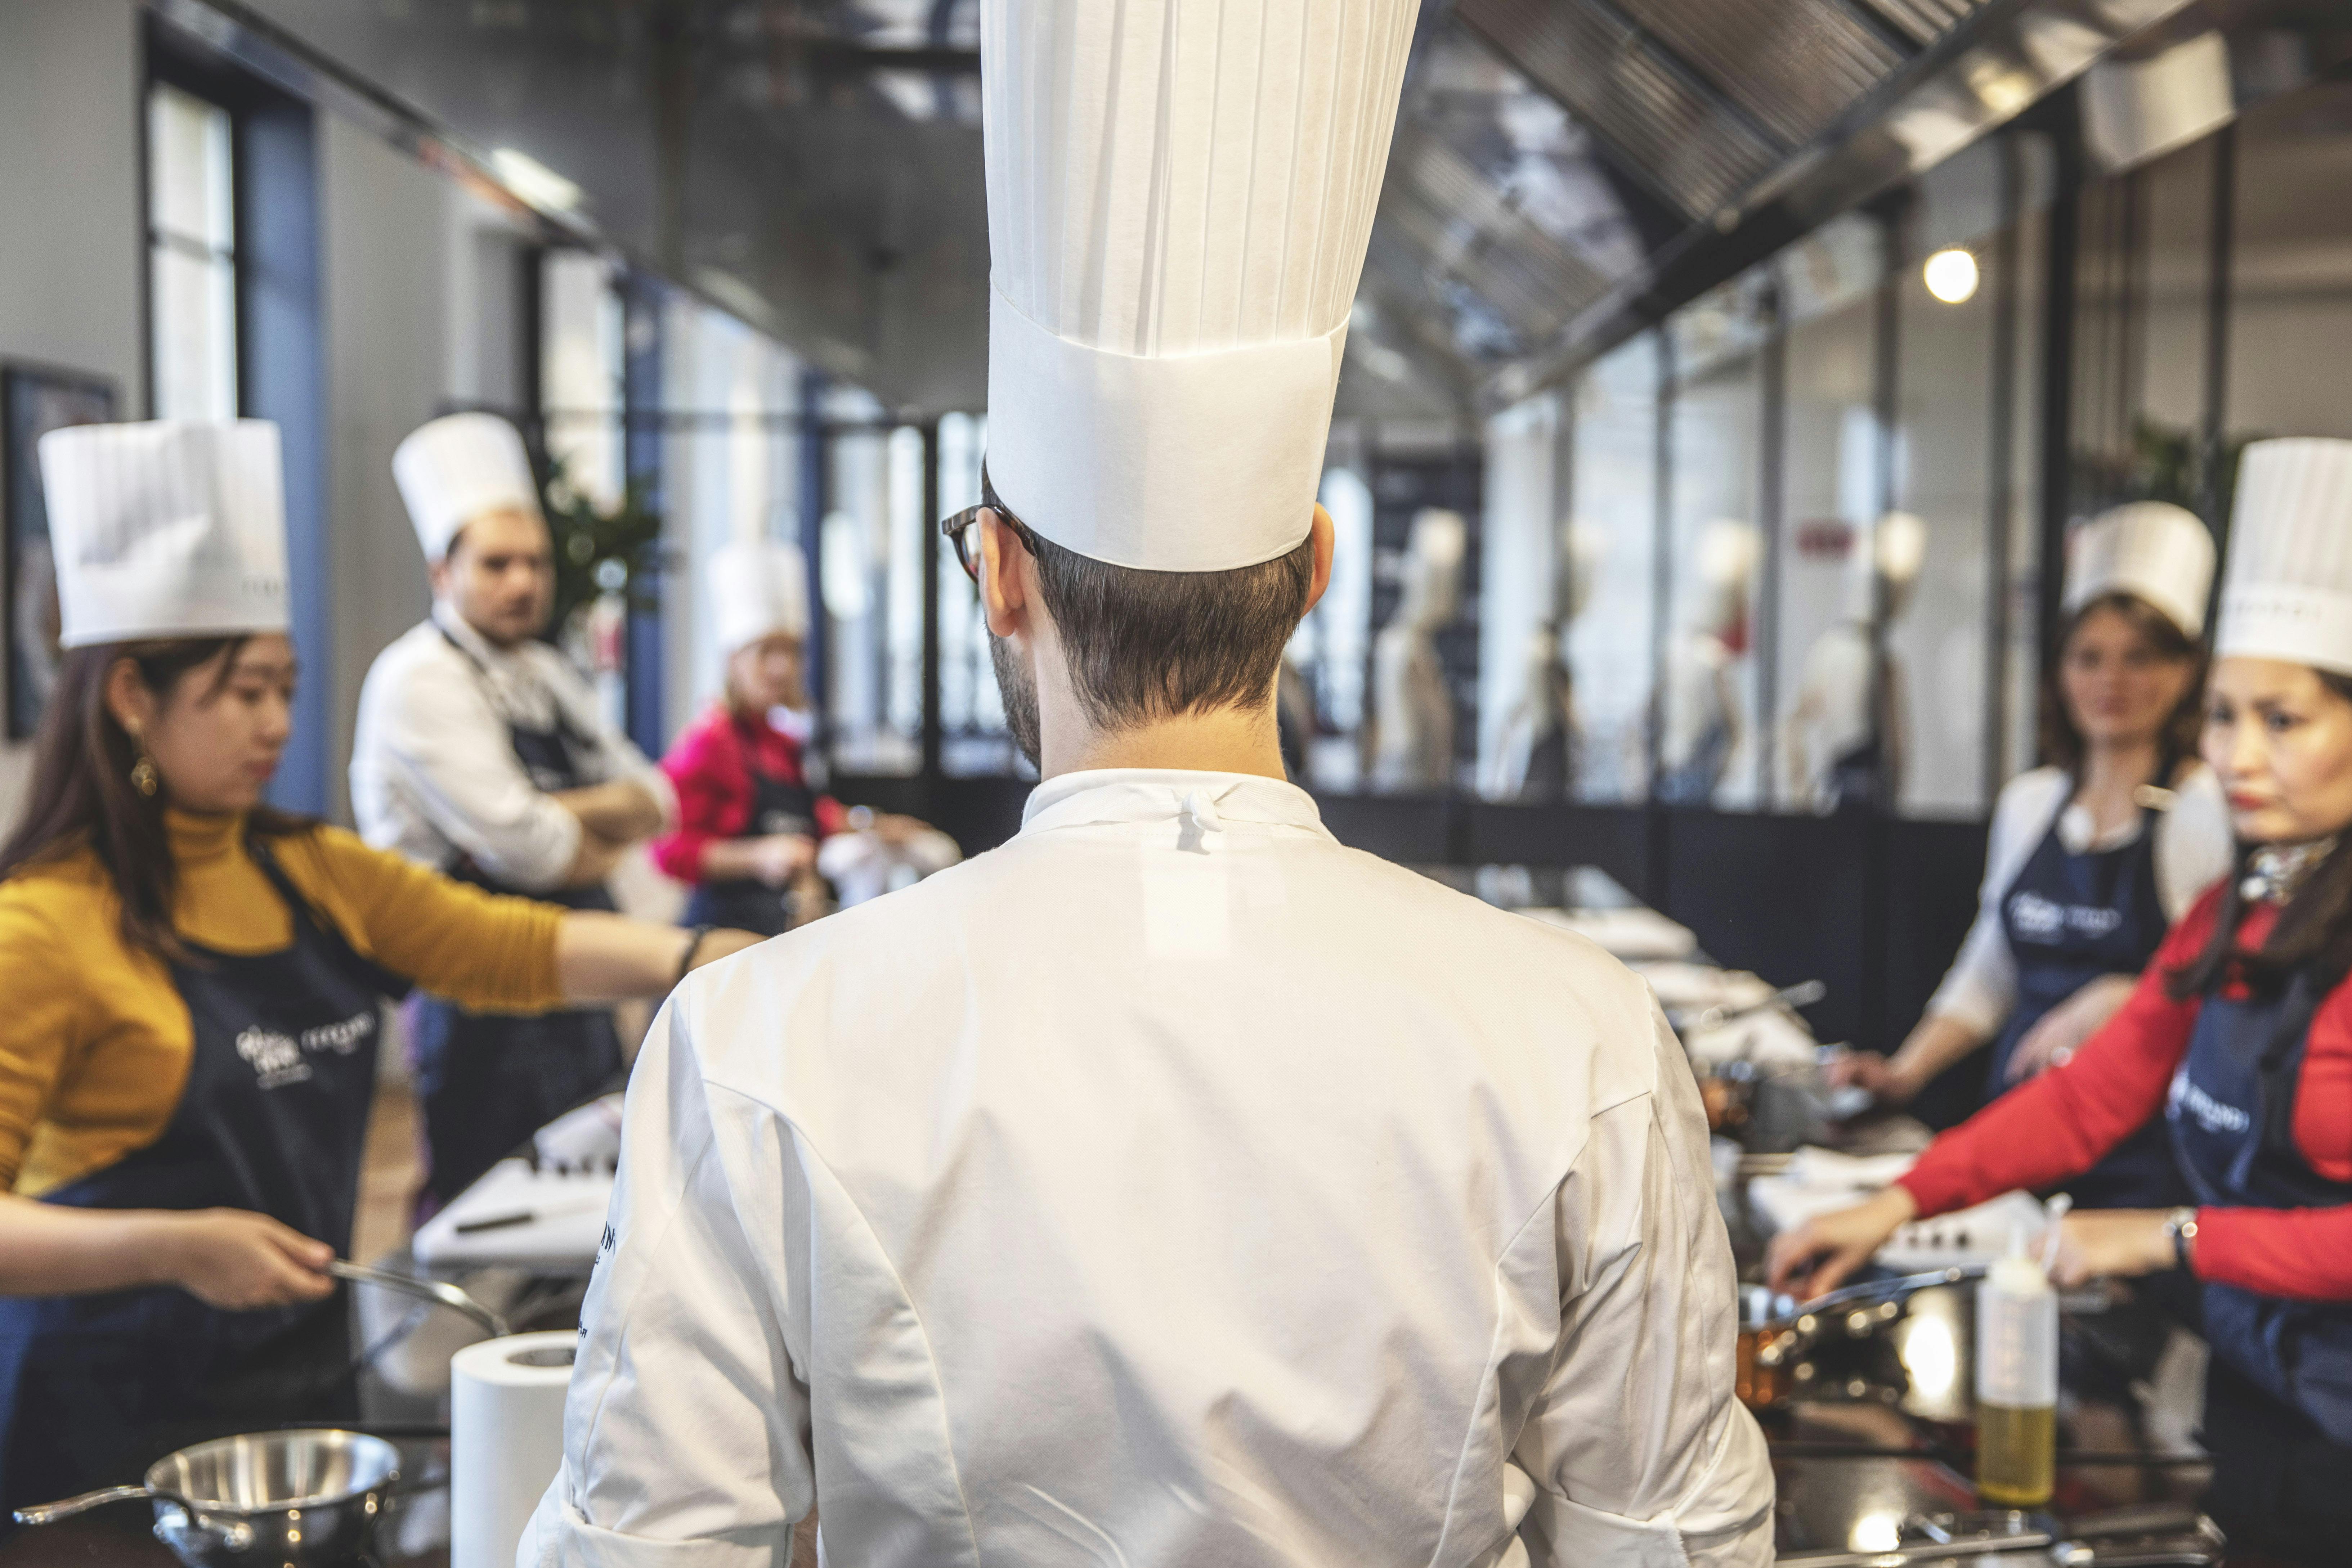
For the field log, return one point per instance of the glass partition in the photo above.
(1614, 562)
(1707, 742)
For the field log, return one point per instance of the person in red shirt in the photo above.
(748, 821)
(2239, 1033)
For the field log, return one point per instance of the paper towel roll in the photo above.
(505, 1441)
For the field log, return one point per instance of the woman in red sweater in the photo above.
(2239, 1034)
(748, 823)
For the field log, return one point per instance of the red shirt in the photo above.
(712, 767)
(2060, 1124)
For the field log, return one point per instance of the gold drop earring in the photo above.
(144, 777)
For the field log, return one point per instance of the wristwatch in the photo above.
(2180, 1229)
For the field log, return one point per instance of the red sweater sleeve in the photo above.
(713, 781)
(2063, 1123)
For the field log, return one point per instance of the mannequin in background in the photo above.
(1837, 753)
(1704, 729)
(1412, 743)
(1537, 757)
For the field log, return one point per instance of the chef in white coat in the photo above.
(1171, 1186)
(482, 752)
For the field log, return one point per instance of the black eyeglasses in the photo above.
(959, 528)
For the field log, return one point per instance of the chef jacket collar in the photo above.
(487, 653)
(1163, 794)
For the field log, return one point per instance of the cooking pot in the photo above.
(263, 1500)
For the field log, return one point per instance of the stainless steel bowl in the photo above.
(292, 1498)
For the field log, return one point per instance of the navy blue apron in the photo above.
(778, 805)
(273, 1119)
(2072, 919)
(486, 1082)
(2232, 1111)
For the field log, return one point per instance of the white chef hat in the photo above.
(2149, 549)
(1178, 204)
(758, 589)
(457, 467)
(166, 530)
(2288, 591)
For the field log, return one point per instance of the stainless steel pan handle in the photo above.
(449, 1296)
(50, 1512)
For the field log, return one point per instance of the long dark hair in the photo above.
(2314, 934)
(2062, 743)
(82, 795)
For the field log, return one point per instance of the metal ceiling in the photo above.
(814, 165)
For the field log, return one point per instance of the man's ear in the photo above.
(1323, 536)
(1003, 590)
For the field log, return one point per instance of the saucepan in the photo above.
(1778, 1331)
(313, 1495)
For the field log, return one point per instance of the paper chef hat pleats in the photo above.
(455, 469)
(1179, 196)
(2149, 549)
(2288, 591)
(166, 530)
(758, 590)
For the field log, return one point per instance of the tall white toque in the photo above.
(457, 467)
(2149, 549)
(2288, 591)
(1179, 196)
(166, 530)
(758, 590)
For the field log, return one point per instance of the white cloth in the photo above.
(758, 589)
(2150, 550)
(1179, 201)
(2195, 848)
(457, 467)
(1171, 1186)
(433, 772)
(166, 529)
(2288, 591)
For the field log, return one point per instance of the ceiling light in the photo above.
(537, 184)
(1951, 275)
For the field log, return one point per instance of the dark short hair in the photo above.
(2061, 742)
(1149, 645)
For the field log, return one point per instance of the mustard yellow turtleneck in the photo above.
(94, 1038)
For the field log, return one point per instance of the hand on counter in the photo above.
(1817, 1256)
(241, 1261)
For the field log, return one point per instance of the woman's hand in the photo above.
(2111, 1243)
(1887, 1080)
(778, 858)
(239, 1261)
(1818, 1255)
(2054, 1041)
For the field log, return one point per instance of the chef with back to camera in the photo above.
(1171, 1186)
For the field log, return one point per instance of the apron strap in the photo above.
(2280, 1067)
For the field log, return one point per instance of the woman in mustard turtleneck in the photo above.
(194, 981)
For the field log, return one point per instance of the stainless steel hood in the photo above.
(1564, 170)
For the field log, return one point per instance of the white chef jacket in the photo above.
(433, 772)
(1168, 1186)
(2195, 847)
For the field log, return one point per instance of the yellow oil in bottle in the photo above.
(2017, 1454)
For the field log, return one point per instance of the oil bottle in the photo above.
(2017, 1382)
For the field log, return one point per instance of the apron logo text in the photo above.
(2039, 919)
(2208, 1113)
(279, 1059)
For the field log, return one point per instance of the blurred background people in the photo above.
(481, 751)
